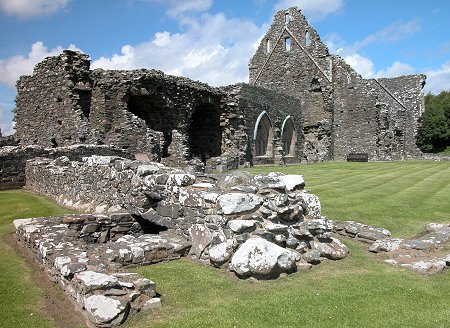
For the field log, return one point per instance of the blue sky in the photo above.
(213, 40)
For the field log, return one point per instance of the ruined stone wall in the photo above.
(356, 115)
(248, 104)
(220, 214)
(301, 70)
(140, 110)
(407, 92)
(13, 159)
(8, 141)
(53, 105)
(342, 112)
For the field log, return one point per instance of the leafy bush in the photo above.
(434, 134)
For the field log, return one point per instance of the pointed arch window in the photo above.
(263, 135)
(287, 43)
(288, 136)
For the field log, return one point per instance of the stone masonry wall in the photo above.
(13, 159)
(53, 105)
(140, 110)
(219, 214)
(302, 71)
(342, 112)
(247, 103)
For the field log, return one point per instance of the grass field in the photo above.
(358, 291)
(20, 299)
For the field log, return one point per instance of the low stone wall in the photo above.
(218, 213)
(256, 226)
(13, 159)
(431, 157)
(85, 255)
(427, 254)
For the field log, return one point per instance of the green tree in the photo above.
(434, 133)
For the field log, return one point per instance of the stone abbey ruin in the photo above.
(301, 104)
(142, 155)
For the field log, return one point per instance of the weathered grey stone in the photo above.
(106, 311)
(312, 256)
(220, 253)
(147, 169)
(426, 267)
(239, 226)
(180, 179)
(191, 197)
(275, 227)
(99, 160)
(91, 280)
(201, 237)
(311, 205)
(415, 244)
(271, 180)
(233, 203)
(334, 250)
(385, 245)
(293, 181)
(259, 258)
(152, 304)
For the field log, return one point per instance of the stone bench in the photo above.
(358, 157)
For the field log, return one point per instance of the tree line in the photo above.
(434, 133)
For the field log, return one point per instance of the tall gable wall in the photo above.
(303, 71)
(53, 105)
(342, 112)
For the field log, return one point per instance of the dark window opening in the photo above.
(84, 101)
(205, 133)
(158, 117)
(53, 142)
(287, 18)
(59, 122)
(287, 43)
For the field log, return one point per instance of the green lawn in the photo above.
(20, 298)
(399, 196)
(358, 291)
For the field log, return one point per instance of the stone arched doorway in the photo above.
(205, 133)
(288, 137)
(263, 135)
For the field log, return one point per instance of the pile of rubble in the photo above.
(256, 226)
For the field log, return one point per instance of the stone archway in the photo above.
(263, 135)
(288, 137)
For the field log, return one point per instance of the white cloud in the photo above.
(32, 8)
(217, 55)
(363, 65)
(13, 67)
(179, 8)
(313, 9)
(366, 68)
(439, 79)
(6, 123)
(396, 69)
(389, 34)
